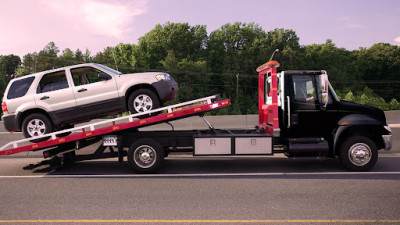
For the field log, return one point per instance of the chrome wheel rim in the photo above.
(36, 127)
(360, 154)
(145, 156)
(142, 103)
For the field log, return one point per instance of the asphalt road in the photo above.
(208, 190)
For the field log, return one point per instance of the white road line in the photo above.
(200, 175)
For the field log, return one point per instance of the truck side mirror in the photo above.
(324, 89)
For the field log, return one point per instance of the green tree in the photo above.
(67, 58)
(379, 66)
(8, 70)
(47, 58)
(186, 41)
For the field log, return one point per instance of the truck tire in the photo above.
(145, 155)
(35, 125)
(143, 100)
(358, 153)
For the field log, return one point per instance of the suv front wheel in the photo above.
(142, 100)
(35, 125)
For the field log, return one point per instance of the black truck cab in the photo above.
(314, 122)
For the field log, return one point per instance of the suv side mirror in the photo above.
(104, 76)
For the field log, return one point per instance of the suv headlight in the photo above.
(163, 76)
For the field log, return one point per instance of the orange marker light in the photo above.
(116, 128)
(345, 123)
(143, 122)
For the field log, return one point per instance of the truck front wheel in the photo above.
(145, 155)
(358, 153)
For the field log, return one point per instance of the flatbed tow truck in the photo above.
(299, 115)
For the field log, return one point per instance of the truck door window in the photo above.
(303, 89)
(52, 82)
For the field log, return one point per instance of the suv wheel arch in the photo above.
(137, 87)
(22, 115)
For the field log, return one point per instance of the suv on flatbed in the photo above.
(57, 99)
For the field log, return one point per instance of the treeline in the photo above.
(225, 60)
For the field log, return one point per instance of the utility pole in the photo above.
(237, 88)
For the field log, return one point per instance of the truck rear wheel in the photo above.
(145, 155)
(358, 153)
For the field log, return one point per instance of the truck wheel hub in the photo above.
(144, 156)
(360, 154)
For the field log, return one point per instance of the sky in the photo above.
(26, 26)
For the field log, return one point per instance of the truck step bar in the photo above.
(173, 112)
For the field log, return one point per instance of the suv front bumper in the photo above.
(387, 140)
(166, 89)
(10, 123)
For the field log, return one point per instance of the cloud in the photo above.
(397, 39)
(348, 23)
(109, 18)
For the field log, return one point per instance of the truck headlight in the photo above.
(388, 128)
(163, 76)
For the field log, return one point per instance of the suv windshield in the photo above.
(109, 69)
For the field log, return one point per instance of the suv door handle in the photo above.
(44, 97)
(82, 90)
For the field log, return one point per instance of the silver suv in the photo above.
(57, 99)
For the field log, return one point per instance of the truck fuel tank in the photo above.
(307, 147)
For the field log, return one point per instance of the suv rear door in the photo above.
(95, 96)
(54, 94)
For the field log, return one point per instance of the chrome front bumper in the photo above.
(387, 139)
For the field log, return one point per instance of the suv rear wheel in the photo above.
(35, 125)
(143, 100)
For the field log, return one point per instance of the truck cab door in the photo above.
(303, 106)
(310, 106)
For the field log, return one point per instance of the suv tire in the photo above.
(35, 125)
(143, 100)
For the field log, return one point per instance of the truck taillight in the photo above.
(4, 107)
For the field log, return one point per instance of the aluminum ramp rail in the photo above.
(174, 112)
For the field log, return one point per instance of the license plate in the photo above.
(110, 140)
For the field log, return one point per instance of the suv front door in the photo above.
(95, 96)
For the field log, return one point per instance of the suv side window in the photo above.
(85, 75)
(19, 88)
(52, 82)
